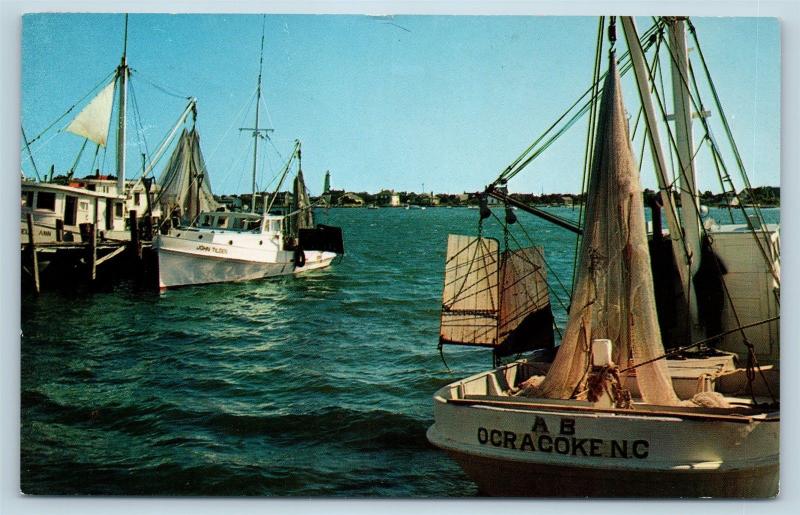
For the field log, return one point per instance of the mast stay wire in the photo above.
(528, 155)
(72, 107)
(752, 364)
(704, 123)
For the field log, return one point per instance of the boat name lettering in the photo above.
(540, 439)
(215, 250)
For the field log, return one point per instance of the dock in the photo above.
(46, 264)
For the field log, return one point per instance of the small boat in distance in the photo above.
(221, 246)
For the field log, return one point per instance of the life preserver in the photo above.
(299, 258)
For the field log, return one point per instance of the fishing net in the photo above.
(179, 181)
(613, 295)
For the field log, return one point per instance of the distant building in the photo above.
(231, 202)
(567, 201)
(334, 196)
(388, 198)
(350, 199)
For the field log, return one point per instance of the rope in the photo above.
(162, 89)
(698, 343)
(28, 148)
(528, 155)
(590, 136)
(73, 106)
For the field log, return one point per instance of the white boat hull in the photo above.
(513, 446)
(182, 263)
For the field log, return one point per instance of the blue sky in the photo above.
(447, 101)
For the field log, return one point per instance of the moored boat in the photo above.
(218, 246)
(612, 416)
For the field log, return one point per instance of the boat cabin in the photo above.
(232, 222)
(72, 206)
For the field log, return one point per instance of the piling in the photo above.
(59, 230)
(92, 253)
(136, 244)
(32, 250)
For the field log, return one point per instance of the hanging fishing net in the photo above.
(179, 181)
(613, 295)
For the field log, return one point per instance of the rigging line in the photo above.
(559, 133)
(710, 140)
(722, 186)
(44, 144)
(558, 298)
(641, 153)
(94, 158)
(103, 161)
(30, 154)
(560, 118)
(73, 106)
(162, 89)
(78, 157)
(732, 142)
(238, 117)
(661, 81)
(590, 135)
(140, 134)
(510, 170)
(678, 350)
(558, 280)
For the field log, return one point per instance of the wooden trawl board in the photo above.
(524, 288)
(470, 304)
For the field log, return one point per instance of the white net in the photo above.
(184, 183)
(613, 294)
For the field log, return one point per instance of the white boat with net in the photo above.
(207, 245)
(610, 415)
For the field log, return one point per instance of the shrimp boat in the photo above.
(610, 415)
(219, 246)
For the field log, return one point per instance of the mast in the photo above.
(690, 202)
(679, 245)
(256, 130)
(122, 73)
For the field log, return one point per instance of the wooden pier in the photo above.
(81, 262)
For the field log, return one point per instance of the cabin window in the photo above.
(275, 226)
(118, 209)
(238, 224)
(205, 221)
(46, 200)
(83, 206)
(91, 187)
(222, 222)
(136, 198)
(27, 199)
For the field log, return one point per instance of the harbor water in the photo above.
(319, 384)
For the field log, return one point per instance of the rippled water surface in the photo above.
(312, 385)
